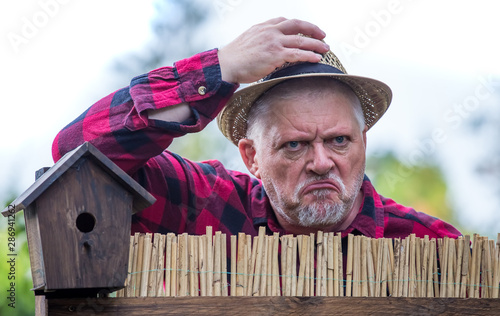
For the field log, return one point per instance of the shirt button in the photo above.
(202, 90)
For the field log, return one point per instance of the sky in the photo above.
(439, 57)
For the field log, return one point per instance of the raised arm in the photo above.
(119, 124)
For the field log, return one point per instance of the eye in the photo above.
(339, 139)
(293, 145)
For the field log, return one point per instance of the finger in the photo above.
(294, 26)
(305, 43)
(293, 55)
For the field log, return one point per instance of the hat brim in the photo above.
(375, 98)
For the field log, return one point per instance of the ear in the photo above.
(364, 136)
(248, 154)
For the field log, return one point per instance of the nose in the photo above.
(321, 161)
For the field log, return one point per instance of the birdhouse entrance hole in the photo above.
(85, 222)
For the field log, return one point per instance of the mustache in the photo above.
(329, 176)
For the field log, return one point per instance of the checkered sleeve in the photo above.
(118, 125)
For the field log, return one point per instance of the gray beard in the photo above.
(322, 212)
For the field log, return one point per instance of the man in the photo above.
(301, 132)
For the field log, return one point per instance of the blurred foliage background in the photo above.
(422, 187)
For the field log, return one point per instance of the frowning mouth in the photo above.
(321, 185)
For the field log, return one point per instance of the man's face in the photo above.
(311, 159)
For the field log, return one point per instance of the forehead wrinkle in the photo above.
(282, 110)
(307, 121)
(295, 124)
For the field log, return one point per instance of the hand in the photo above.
(266, 46)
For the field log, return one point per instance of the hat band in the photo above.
(303, 68)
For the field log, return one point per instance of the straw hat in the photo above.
(374, 96)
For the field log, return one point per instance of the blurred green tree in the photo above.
(420, 186)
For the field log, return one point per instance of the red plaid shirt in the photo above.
(192, 195)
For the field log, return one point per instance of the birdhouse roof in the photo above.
(141, 197)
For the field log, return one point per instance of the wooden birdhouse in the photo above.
(78, 217)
